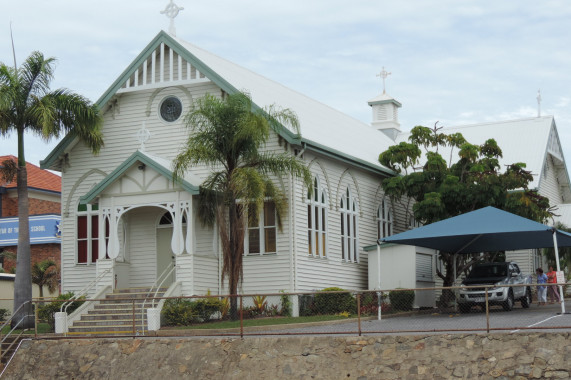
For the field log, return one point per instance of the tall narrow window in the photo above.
(261, 237)
(384, 220)
(317, 220)
(88, 234)
(349, 228)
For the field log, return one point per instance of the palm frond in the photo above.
(36, 73)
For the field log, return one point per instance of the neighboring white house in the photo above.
(126, 198)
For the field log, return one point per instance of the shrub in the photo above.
(260, 304)
(183, 312)
(178, 312)
(306, 307)
(402, 299)
(334, 303)
(286, 307)
(47, 312)
(224, 307)
(3, 314)
(204, 308)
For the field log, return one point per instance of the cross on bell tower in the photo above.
(383, 74)
(385, 110)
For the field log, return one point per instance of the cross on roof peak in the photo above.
(171, 11)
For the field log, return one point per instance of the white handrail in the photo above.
(83, 291)
(164, 276)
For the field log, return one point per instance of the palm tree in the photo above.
(227, 135)
(27, 104)
(45, 273)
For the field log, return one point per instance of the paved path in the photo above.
(538, 318)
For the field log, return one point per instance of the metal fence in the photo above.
(401, 311)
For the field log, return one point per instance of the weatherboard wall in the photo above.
(83, 170)
(335, 176)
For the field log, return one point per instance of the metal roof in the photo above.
(319, 123)
(523, 140)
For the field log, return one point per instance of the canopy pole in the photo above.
(454, 284)
(561, 295)
(379, 293)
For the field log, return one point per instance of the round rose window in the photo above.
(171, 109)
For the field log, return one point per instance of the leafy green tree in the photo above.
(439, 189)
(228, 135)
(45, 273)
(28, 105)
(564, 252)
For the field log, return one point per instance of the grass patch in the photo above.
(43, 328)
(261, 322)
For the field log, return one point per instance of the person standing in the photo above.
(552, 289)
(541, 290)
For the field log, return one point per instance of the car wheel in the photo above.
(509, 303)
(526, 300)
(464, 308)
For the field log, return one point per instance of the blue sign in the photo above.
(43, 229)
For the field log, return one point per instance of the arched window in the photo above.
(317, 220)
(349, 228)
(384, 220)
(88, 234)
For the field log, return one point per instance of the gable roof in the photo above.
(323, 128)
(162, 166)
(37, 178)
(540, 140)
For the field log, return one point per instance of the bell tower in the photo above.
(385, 111)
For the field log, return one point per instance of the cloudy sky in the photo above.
(452, 61)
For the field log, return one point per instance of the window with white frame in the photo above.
(261, 235)
(384, 220)
(88, 234)
(317, 220)
(349, 228)
(413, 223)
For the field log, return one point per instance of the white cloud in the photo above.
(457, 62)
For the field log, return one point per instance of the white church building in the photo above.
(124, 221)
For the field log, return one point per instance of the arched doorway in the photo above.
(165, 255)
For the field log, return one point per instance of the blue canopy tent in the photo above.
(484, 230)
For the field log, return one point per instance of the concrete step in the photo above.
(114, 315)
(115, 327)
(120, 310)
(137, 290)
(117, 310)
(127, 296)
(110, 317)
(107, 322)
(112, 299)
(120, 305)
(8, 347)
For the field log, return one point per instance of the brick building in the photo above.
(44, 191)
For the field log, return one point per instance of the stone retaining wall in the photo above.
(518, 356)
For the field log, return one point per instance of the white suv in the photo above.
(498, 275)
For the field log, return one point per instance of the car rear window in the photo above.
(499, 270)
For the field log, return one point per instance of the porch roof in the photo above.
(189, 183)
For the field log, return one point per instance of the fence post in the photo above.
(134, 332)
(36, 321)
(241, 319)
(359, 312)
(487, 312)
(380, 304)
